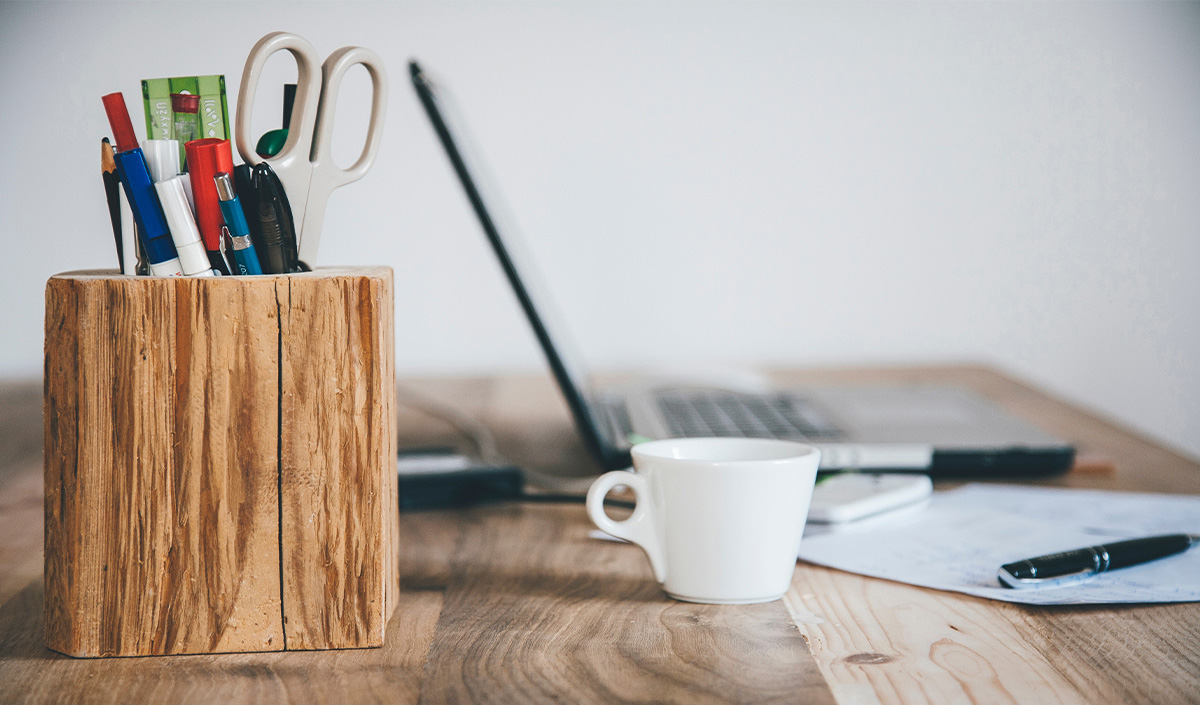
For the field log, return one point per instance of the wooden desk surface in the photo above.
(513, 603)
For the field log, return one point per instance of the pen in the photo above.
(139, 190)
(148, 214)
(1067, 567)
(192, 256)
(205, 159)
(244, 188)
(271, 226)
(162, 158)
(235, 220)
(276, 228)
(118, 119)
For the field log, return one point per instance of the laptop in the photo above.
(941, 430)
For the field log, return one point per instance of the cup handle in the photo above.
(639, 527)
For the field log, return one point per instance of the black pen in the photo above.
(1056, 569)
(276, 227)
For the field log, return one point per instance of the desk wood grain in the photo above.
(536, 611)
(513, 603)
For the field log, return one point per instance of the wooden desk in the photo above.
(515, 604)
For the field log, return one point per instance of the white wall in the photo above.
(785, 183)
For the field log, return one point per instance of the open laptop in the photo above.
(941, 430)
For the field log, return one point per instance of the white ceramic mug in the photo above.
(719, 518)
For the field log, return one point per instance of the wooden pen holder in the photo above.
(219, 462)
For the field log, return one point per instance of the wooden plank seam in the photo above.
(279, 455)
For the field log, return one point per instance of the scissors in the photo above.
(305, 164)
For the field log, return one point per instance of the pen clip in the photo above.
(1075, 578)
(226, 249)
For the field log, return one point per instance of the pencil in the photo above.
(112, 191)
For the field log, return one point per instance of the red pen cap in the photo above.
(206, 158)
(118, 120)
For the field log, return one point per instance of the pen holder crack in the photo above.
(219, 462)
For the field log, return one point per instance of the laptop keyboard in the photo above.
(713, 412)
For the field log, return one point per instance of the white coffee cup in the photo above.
(719, 518)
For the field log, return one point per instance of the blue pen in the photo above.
(148, 214)
(243, 248)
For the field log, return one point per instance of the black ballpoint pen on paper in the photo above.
(1069, 567)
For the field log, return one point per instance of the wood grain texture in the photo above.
(161, 526)
(904, 644)
(536, 611)
(337, 464)
(34, 675)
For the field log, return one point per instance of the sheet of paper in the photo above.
(963, 536)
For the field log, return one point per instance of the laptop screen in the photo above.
(569, 371)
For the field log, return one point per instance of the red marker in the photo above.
(206, 158)
(118, 119)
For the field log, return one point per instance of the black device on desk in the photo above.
(440, 478)
(941, 430)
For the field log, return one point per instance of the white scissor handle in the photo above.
(333, 71)
(326, 176)
(304, 110)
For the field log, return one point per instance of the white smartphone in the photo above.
(852, 496)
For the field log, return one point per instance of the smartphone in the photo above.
(847, 497)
